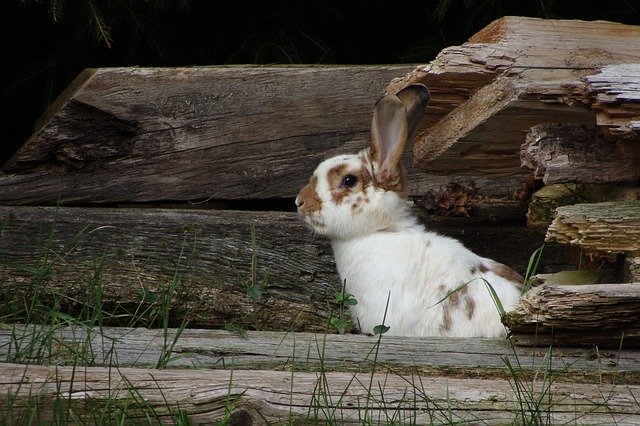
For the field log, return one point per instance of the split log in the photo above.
(573, 153)
(131, 135)
(132, 257)
(514, 74)
(615, 96)
(545, 201)
(596, 314)
(268, 397)
(142, 134)
(252, 350)
(605, 228)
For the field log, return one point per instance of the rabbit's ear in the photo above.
(389, 129)
(415, 98)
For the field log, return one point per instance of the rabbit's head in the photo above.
(352, 195)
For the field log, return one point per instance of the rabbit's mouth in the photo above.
(314, 221)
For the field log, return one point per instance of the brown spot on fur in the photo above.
(446, 319)
(505, 272)
(478, 268)
(470, 306)
(454, 298)
(334, 177)
(308, 197)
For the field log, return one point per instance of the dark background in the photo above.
(47, 43)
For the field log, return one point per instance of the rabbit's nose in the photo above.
(299, 202)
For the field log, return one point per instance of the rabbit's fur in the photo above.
(435, 286)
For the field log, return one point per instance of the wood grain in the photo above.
(253, 350)
(573, 153)
(519, 72)
(267, 397)
(131, 255)
(606, 228)
(589, 314)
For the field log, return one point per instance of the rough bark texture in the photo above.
(132, 256)
(267, 397)
(589, 314)
(147, 134)
(140, 134)
(608, 228)
(519, 72)
(545, 201)
(573, 153)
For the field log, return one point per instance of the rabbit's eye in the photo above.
(349, 181)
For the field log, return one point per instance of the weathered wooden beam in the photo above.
(120, 135)
(572, 153)
(142, 134)
(131, 256)
(516, 73)
(606, 228)
(267, 397)
(589, 314)
(544, 202)
(483, 135)
(253, 350)
(614, 93)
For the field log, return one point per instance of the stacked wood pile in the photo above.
(553, 101)
(174, 188)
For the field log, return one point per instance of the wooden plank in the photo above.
(605, 228)
(132, 255)
(267, 397)
(573, 153)
(516, 73)
(615, 96)
(588, 314)
(268, 350)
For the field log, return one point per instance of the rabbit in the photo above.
(418, 282)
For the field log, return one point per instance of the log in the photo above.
(614, 94)
(141, 134)
(516, 73)
(262, 350)
(132, 135)
(605, 228)
(544, 202)
(131, 256)
(588, 314)
(267, 397)
(573, 153)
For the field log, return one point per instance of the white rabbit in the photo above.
(435, 286)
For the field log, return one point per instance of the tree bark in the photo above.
(589, 314)
(572, 153)
(605, 228)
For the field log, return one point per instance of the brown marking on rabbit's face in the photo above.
(308, 201)
(505, 272)
(344, 182)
